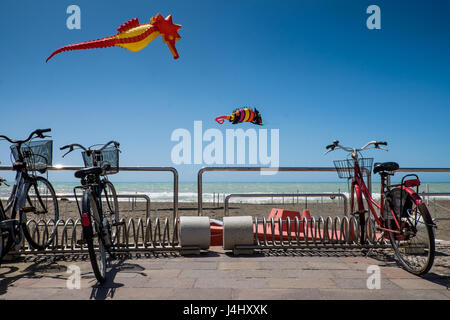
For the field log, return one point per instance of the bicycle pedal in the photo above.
(119, 223)
(8, 224)
(28, 209)
(81, 242)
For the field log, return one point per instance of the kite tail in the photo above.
(99, 43)
(222, 119)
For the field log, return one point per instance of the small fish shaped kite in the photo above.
(134, 36)
(244, 114)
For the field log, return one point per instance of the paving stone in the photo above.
(429, 294)
(349, 274)
(152, 264)
(189, 273)
(418, 284)
(362, 284)
(206, 265)
(328, 265)
(284, 265)
(158, 283)
(239, 265)
(24, 282)
(143, 293)
(202, 294)
(276, 294)
(287, 283)
(363, 294)
(396, 272)
(30, 293)
(230, 283)
(163, 273)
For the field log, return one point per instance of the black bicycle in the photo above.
(32, 197)
(100, 223)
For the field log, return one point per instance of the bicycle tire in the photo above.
(42, 197)
(94, 238)
(425, 226)
(6, 242)
(1, 246)
(112, 205)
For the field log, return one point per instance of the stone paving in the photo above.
(219, 275)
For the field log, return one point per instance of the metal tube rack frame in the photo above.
(268, 195)
(249, 169)
(130, 169)
(125, 196)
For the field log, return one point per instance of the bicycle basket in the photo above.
(345, 168)
(36, 154)
(108, 156)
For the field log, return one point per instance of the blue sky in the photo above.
(312, 68)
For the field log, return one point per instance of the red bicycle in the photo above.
(403, 216)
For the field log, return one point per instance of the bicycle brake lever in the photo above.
(70, 150)
(383, 149)
(328, 151)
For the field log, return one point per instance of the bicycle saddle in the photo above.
(87, 171)
(385, 166)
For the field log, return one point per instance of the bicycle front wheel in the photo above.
(414, 247)
(43, 209)
(1, 245)
(112, 208)
(94, 239)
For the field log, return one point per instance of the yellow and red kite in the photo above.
(134, 36)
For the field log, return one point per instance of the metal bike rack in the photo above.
(133, 235)
(315, 233)
(268, 195)
(259, 169)
(130, 169)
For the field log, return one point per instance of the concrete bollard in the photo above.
(238, 231)
(194, 234)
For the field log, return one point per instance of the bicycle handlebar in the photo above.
(38, 132)
(336, 144)
(71, 146)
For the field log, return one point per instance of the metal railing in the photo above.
(268, 195)
(129, 169)
(263, 169)
(436, 194)
(123, 196)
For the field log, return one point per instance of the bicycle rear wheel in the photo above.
(94, 239)
(43, 208)
(414, 247)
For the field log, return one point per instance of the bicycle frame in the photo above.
(18, 194)
(96, 191)
(359, 187)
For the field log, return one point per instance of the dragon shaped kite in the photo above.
(134, 36)
(244, 114)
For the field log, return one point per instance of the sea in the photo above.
(216, 191)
